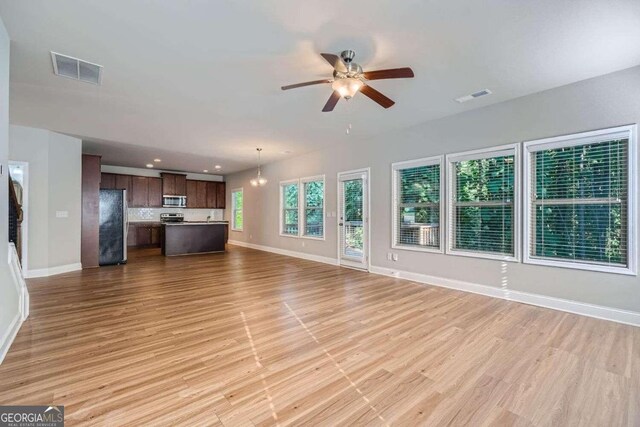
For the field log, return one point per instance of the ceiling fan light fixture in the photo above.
(347, 87)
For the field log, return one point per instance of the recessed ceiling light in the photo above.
(218, 167)
(206, 171)
(157, 160)
(286, 152)
(149, 165)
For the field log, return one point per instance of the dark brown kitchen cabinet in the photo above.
(221, 196)
(212, 193)
(107, 181)
(140, 192)
(123, 182)
(143, 235)
(192, 193)
(181, 185)
(155, 235)
(174, 184)
(168, 184)
(155, 193)
(131, 235)
(201, 195)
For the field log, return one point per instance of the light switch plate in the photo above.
(62, 214)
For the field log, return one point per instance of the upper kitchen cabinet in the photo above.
(192, 193)
(201, 194)
(123, 182)
(147, 192)
(155, 192)
(221, 196)
(174, 184)
(212, 194)
(140, 190)
(108, 181)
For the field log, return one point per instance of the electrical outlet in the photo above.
(395, 257)
(303, 244)
(250, 236)
(389, 256)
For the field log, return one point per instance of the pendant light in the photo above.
(259, 180)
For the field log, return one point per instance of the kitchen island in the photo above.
(183, 238)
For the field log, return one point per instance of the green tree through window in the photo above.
(290, 209)
(418, 215)
(579, 202)
(483, 207)
(314, 208)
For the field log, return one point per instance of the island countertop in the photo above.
(182, 238)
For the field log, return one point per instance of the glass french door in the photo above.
(353, 219)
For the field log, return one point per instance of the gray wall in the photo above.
(9, 298)
(54, 184)
(605, 101)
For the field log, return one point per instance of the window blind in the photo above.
(579, 199)
(314, 208)
(418, 206)
(482, 206)
(290, 209)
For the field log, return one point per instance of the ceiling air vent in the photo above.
(474, 95)
(77, 69)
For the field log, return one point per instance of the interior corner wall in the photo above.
(54, 185)
(605, 101)
(9, 296)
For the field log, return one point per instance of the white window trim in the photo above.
(601, 135)
(395, 169)
(233, 209)
(281, 215)
(302, 215)
(501, 150)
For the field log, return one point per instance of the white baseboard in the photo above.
(590, 310)
(294, 254)
(10, 335)
(585, 309)
(45, 272)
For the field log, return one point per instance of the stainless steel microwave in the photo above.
(174, 201)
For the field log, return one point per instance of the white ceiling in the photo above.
(202, 78)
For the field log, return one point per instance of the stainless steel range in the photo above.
(171, 217)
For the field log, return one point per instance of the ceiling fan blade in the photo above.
(394, 73)
(336, 62)
(315, 82)
(331, 103)
(376, 96)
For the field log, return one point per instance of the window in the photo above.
(236, 209)
(417, 211)
(313, 206)
(579, 207)
(483, 203)
(289, 208)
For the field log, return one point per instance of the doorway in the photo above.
(19, 173)
(353, 219)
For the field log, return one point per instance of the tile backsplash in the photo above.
(153, 214)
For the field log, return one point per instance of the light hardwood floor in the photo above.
(253, 338)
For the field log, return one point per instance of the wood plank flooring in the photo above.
(251, 338)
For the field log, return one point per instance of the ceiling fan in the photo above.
(348, 79)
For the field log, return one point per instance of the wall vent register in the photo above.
(77, 69)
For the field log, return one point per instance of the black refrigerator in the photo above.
(113, 227)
